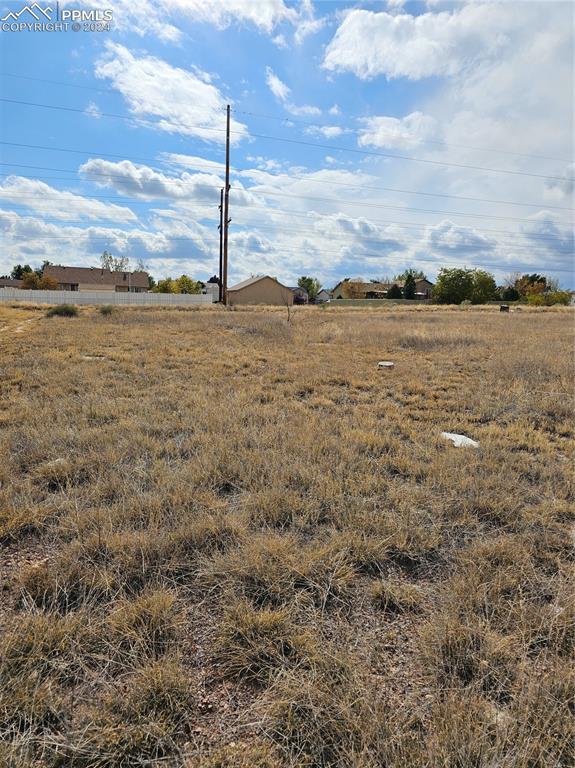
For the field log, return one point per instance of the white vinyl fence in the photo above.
(104, 297)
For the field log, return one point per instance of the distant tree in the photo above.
(394, 292)
(167, 285)
(311, 284)
(409, 287)
(484, 287)
(186, 284)
(417, 274)
(510, 293)
(40, 270)
(183, 284)
(35, 282)
(114, 263)
(141, 266)
(528, 285)
(453, 285)
(19, 271)
(151, 282)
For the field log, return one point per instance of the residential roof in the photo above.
(95, 275)
(297, 288)
(10, 282)
(251, 281)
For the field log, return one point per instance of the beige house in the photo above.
(96, 279)
(260, 290)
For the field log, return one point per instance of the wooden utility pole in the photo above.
(221, 228)
(226, 210)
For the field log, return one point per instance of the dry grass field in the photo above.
(230, 541)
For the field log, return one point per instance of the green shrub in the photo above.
(106, 310)
(62, 310)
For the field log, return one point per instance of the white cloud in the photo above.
(308, 27)
(448, 238)
(186, 102)
(305, 109)
(335, 110)
(163, 18)
(145, 183)
(327, 131)
(368, 43)
(279, 89)
(264, 14)
(59, 204)
(397, 132)
(192, 162)
(93, 110)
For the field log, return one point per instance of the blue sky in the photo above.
(367, 137)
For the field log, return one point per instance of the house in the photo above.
(10, 282)
(323, 296)
(300, 295)
(260, 290)
(358, 289)
(96, 279)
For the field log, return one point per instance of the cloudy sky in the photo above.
(366, 137)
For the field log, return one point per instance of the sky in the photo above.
(366, 137)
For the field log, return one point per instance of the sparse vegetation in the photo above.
(62, 310)
(268, 558)
(106, 310)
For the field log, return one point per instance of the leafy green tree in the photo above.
(311, 284)
(417, 274)
(394, 292)
(167, 285)
(186, 284)
(484, 287)
(409, 287)
(453, 285)
(510, 293)
(19, 271)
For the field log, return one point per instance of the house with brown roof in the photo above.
(260, 290)
(10, 282)
(96, 279)
(358, 289)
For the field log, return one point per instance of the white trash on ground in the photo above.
(385, 364)
(460, 441)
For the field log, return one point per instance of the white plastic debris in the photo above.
(460, 441)
(385, 364)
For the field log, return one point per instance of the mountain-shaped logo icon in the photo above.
(33, 10)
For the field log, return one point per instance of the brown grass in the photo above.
(232, 542)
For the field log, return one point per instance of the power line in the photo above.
(265, 193)
(289, 119)
(330, 182)
(384, 237)
(331, 147)
(322, 217)
(297, 121)
(318, 251)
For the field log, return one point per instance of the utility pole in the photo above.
(221, 228)
(226, 210)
